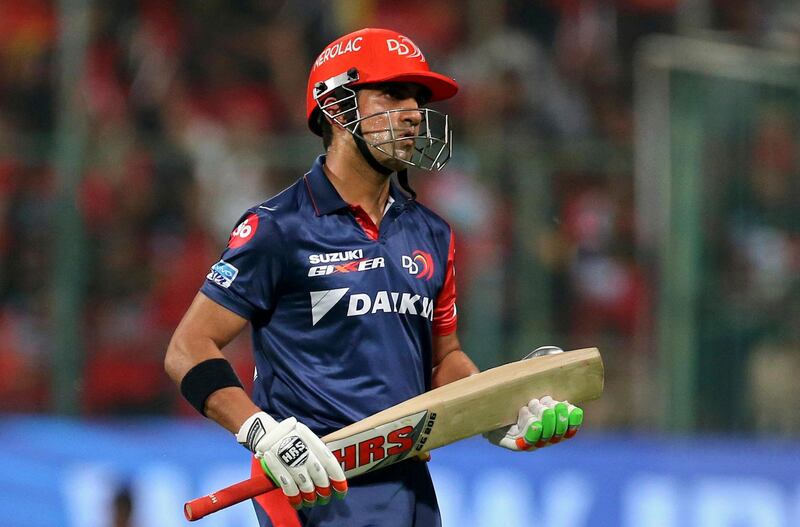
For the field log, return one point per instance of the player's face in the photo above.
(396, 115)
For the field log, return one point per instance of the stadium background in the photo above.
(626, 175)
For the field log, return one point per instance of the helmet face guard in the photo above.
(432, 144)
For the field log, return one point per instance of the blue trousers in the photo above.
(400, 495)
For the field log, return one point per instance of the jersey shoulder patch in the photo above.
(244, 232)
(256, 219)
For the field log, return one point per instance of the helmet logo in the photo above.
(405, 48)
(340, 48)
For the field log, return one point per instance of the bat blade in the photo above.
(465, 408)
(447, 414)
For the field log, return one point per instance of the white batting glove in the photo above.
(294, 458)
(540, 423)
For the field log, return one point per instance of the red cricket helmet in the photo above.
(378, 55)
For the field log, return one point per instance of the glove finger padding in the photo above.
(314, 466)
(519, 436)
(540, 423)
(563, 417)
(544, 419)
(294, 458)
(549, 416)
(527, 431)
(293, 452)
(574, 421)
(304, 482)
(331, 469)
(279, 474)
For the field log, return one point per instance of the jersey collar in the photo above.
(326, 199)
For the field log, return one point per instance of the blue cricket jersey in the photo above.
(342, 315)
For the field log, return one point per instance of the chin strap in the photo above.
(402, 178)
(402, 175)
(364, 149)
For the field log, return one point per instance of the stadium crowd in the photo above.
(191, 106)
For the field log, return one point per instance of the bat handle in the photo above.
(236, 493)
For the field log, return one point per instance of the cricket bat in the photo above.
(464, 408)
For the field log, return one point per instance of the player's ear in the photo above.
(333, 109)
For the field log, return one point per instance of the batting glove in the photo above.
(295, 459)
(540, 423)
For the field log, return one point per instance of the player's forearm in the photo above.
(186, 351)
(229, 406)
(455, 365)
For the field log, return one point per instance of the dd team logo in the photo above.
(405, 48)
(419, 264)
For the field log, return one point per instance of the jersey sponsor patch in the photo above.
(223, 274)
(355, 266)
(419, 264)
(341, 256)
(323, 301)
(390, 302)
(243, 232)
(361, 304)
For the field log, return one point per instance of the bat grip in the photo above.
(236, 493)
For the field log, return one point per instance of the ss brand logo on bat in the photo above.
(427, 431)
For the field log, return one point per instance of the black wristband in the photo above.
(206, 378)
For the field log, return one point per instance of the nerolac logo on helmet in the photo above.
(337, 49)
(401, 45)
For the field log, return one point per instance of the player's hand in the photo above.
(542, 422)
(295, 459)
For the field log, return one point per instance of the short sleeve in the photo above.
(445, 318)
(245, 278)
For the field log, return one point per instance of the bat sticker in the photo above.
(383, 445)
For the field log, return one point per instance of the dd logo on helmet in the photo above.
(405, 48)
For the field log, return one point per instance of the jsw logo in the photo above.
(405, 48)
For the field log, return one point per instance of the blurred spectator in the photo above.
(752, 264)
(122, 508)
(773, 369)
(192, 105)
(511, 88)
